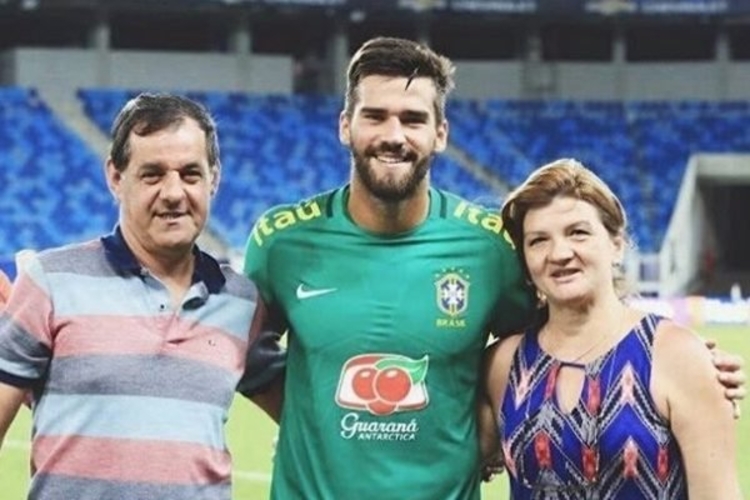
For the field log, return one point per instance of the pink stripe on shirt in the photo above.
(101, 335)
(34, 312)
(162, 462)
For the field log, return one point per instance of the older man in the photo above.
(133, 344)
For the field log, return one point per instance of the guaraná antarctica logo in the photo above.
(381, 384)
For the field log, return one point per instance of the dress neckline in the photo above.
(594, 364)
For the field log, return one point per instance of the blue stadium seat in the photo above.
(43, 163)
(278, 148)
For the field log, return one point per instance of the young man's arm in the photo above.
(731, 375)
(271, 400)
(263, 380)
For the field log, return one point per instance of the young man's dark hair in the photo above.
(399, 57)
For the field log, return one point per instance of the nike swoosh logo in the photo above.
(303, 293)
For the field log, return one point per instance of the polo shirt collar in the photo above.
(119, 255)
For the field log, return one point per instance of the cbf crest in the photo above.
(452, 292)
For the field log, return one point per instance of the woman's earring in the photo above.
(541, 298)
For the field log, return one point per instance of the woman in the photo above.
(600, 400)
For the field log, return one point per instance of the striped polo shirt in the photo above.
(130, 395)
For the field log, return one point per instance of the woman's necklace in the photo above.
(589, 349)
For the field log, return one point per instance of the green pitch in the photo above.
(251, 436)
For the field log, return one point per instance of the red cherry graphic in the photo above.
(392, 384)
(363, 383)
(379, 407)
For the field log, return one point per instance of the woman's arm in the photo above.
(495, 373)
(689, 396)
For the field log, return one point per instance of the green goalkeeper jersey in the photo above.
(385, 340)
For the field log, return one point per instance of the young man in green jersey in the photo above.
(388, 289)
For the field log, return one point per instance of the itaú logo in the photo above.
(383, 384)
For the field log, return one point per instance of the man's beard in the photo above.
(390, 189)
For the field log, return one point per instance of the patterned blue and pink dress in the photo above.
(612, 445)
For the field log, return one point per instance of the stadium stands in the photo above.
(667, 133)
(275, 149)
(279, 149)
(52, 189)
(639, 148)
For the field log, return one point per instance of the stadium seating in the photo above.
(640, 148)
(52, 188)
(667, 133)
(275, 149)
(279, 149)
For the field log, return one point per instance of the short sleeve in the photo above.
(255, 263)
(26, 330)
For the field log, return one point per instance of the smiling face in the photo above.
(393, 133)
(165, 190)
(568, 251)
